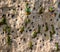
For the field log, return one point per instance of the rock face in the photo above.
(29, 26)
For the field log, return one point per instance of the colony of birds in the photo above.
(29, 26)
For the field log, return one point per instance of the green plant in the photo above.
(57, 47)
(53, 31)
(8, 40)
(2, 21)
(39, 28)
(21, 29)
(7, 29)
(4, 29)
(28, 11)
(46, 27)
(27, 21)
(51, 9)
(34, 34)
(41, 10)
(51, 35)
(30, 44)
